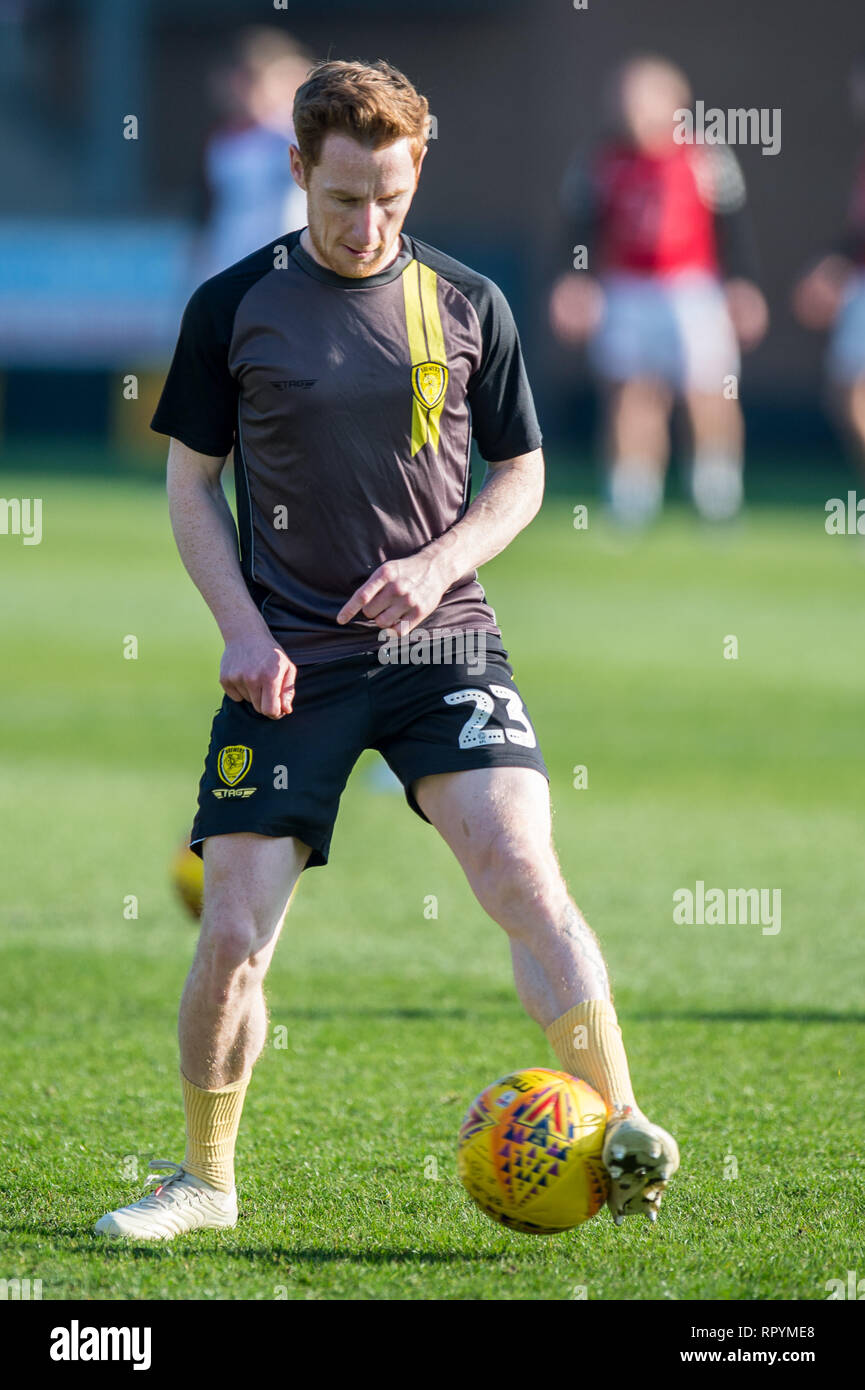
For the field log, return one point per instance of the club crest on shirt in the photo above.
(429, 381)
(233, 763)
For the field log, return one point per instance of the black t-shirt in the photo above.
(350, 406)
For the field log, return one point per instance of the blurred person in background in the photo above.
(667, 296)
(251, 195)
(831, 296)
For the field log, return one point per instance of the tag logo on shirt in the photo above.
(300, 383)
(429, 381)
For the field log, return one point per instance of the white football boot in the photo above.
(635, 494)
(180, 1203)
(640, 1158)
(717, 488)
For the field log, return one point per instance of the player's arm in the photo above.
(254, 667)
(721, 185)
(401, 593)
(509, 499)
(819, 294)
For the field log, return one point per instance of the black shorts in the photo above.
(285, 776)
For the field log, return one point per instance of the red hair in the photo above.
(373, 103)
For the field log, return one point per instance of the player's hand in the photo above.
(399, 594)
(576, 307)
(818, 296)
(256, 669)
(748, 311)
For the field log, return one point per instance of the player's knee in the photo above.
(231, 942)
(517, 888)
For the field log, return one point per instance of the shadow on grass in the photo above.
(77, 1241)
(312, 1015)
(315, 1255)
(743, 1016)
(507, 1007)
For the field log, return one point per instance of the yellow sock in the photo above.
(588, 1042)
(212, 1122)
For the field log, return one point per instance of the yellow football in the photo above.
(187, 875)
(530, 1151)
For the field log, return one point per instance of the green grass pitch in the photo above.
(748, 1046)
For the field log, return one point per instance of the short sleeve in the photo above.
(504, 421)
(198, 404)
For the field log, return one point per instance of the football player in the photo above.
(346, 368)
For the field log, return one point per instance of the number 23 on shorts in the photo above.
(474, 733)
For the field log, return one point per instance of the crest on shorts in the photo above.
(429, 381)
(233, 763)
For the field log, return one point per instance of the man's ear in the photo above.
(297, 169)
(419, 166)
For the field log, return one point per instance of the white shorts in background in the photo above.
(673, 327)
(846, 360)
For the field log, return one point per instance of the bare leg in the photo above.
(718, 438)
(638, 447)
(497, 822)
(248, 881)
